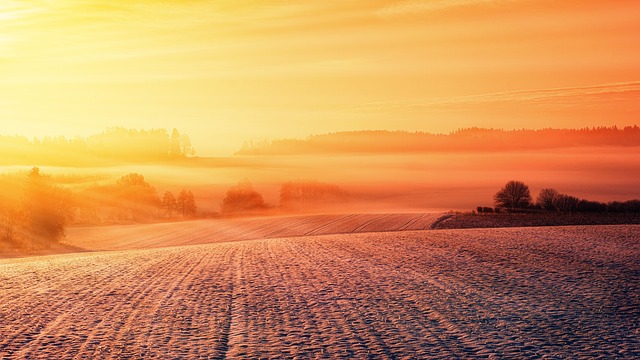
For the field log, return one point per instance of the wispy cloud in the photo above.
(417, 6)
(556, 95)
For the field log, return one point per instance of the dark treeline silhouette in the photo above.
(552, 200)
(515, 196)
(115, 145)
(471, 139)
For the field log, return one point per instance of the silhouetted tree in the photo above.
(169, 203)
(567, 203)
(514, 195)
(630, 206)
(591, 206)
(242, 198)
(186, 204)
(547, 199)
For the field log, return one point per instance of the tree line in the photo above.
(139, 200)
(470, 139)
(35, 211)
(119, 145)
(515, 196)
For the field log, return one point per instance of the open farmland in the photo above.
(561, 292)
(124, 237)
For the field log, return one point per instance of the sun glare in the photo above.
(10, 16)
(12, 10)
(5, 41)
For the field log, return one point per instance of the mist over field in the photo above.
(383, 179)
(374, 171)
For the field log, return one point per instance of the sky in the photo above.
(227, 71)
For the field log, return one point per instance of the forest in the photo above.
(113, 146)
(471, 139)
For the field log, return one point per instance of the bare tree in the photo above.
(514, 195)
(567, 203)
(547, 199)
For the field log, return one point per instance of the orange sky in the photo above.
(226, 71)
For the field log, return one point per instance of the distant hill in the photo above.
(115, 145)
(471, 139)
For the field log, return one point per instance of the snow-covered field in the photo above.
(561, 292)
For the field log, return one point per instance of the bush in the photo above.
(242, 198)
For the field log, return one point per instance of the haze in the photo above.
(222, 179)
(230, 71)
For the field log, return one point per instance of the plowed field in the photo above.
(125, 237)
(563, 292)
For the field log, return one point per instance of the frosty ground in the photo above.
(339, 286)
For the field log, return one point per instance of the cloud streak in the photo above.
(414, 7)
(529, 96)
